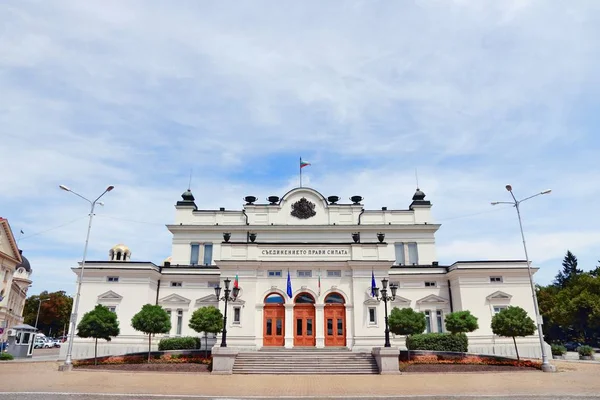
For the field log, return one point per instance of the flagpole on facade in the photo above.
(300, 166)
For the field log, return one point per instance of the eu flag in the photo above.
(289, 285)
(373, 285)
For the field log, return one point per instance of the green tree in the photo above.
(407, 322)
(569, 270)
(596, 271)
(513, 322)
(208, 320)
(55, 312)
(461, 322)
(151, 319)
(100, 323)
(576, 308)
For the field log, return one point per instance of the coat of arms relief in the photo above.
(303, 209)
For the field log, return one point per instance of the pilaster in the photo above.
(319, 324)
(289, 326)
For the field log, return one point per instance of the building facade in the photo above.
(15, 279)
(305, 264)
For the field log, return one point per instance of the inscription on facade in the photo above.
(305, 252)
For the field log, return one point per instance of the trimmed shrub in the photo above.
(6, 356)
(558, 350)
(179, 343)
(585, 350)
(438, 342)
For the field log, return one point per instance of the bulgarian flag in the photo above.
(303, 164)
(236, 282)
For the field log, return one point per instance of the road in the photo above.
(99, 396)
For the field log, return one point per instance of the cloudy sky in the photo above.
(472, 94)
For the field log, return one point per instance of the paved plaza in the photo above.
(23, 381)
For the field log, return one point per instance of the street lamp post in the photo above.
(38, 312)
(68, 361)
(234, 293)
(546, 366)
(384, 296)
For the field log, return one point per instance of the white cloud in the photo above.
(473, 94)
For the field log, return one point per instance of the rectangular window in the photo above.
(334, 273)
(213, 284)
(112, 309)
(330, 327)
(299, 327)
(274, 274)
(340, 326)
(112, 279)
(279, 327)
(400, 260)
(304, 274)
(309, 327)
(269, 326)
(495, 279)
(428, 321)
(372, 315)
(208, 250)
(430, 284)
(440, 321)
(413, 254)
(497, 309)
(236, 314)
(179, 321)
(176, 284)
(195, 252)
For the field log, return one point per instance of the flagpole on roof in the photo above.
(300, 166)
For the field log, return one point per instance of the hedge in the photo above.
(179, 343)
(6, 356)
(438, 342)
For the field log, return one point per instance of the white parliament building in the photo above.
(330, 250)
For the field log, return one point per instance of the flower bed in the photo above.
(166, 358)
(471, 360)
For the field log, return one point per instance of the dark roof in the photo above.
(24, 263)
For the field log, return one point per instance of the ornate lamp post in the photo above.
(234, 293)
(384, 296)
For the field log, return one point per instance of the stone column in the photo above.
(260, 323)
(319, 325)
(289, 326)
(349, 326)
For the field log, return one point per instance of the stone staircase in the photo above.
(304, 361)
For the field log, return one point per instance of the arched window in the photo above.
(274, 298)
(118, 255)
(334, 298)
(304, 298)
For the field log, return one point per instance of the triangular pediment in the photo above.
(499, 295)
(372, 301)
(8, 245)
(110, 295)
(174, 299)
(400, 299)
(210, 299)
(432, 299)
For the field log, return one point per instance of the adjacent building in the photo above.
(304, 264)
(15, 279)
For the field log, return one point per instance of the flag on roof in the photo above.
(304, 163)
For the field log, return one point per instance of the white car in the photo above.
(42, 343)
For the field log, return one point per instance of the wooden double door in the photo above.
(274, 325)
(335, 325)
(304, 325)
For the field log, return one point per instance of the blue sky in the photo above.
(474, 95)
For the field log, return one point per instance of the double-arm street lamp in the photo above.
(384, 296)
(234, 294)
(546, 366)
(68, 360)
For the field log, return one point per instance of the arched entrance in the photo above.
(335, 320)
(274, 320)
(304, 320)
